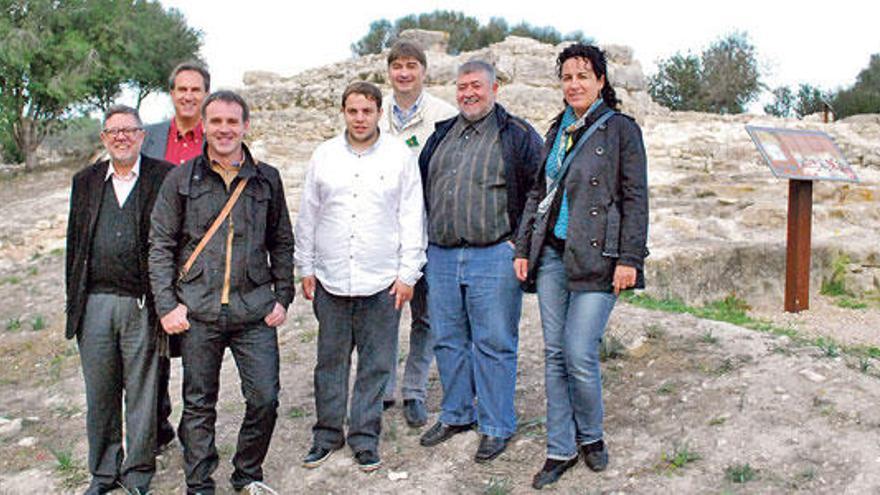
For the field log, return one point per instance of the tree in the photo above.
(678, 82)
(724, 79)
(731, 79)
(465, 32)
(56, 55)
(864, 95)
(161, 40)
(808, 100)
(46, 63)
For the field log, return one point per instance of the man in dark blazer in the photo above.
(109, 305)
(176, 141)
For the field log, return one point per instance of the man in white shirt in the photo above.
(360, 247)
(410, 114)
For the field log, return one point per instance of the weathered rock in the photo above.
(430, 41)
(10, 427)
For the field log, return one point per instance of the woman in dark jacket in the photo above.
(582, 241)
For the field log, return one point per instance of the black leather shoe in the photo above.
(552, 471)
(595, 455)
(414, 412)
(316, 456)
(490, 448)
(440, 433)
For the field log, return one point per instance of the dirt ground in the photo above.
(698, 407)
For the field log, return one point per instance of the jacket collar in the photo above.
(248, 165)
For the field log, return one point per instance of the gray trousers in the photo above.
(117, 348)
(421, 350)
(368, 324)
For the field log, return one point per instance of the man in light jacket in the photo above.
(410, 114)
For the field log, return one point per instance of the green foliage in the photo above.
(725, 78)
(13, 324)
(730, 309)
(58, 55)
(864, 95)
(835, 285)
(808, 100)
(79, 135)
(739, 473)
(38, 323)
(680, 456)
(465, 32)
(498, 486)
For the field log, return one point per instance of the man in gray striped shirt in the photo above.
(476, 170)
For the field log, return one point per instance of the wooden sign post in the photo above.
(801, 157)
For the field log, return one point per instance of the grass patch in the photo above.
(297, 413)
(740, 473)
(32, 271)
(708, 338)
(655, 332)
(847, 302)
(56, 252)
(10, 280)
(308, 336)
(71, 471)
(717, 421)
(38, 323)
(498, 486)
(667, 388)
(533, 427)
(730, 309)
(611, 348)
(680, 456)
(829, 348)
(835, 285)
(13, 324)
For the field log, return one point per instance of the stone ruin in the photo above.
(718, 216)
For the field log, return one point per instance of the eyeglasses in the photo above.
(126, 131)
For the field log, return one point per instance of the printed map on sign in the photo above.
(799, 154)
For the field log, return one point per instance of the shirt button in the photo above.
(600, 150)
(594, 181)
(352, 215)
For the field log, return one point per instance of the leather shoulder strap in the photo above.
(213, 229)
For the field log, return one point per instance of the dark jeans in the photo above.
(117, 348)
(255, 349)
(344, 323)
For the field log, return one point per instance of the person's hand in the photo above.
(308, 287)
(175, 321)
(521, 268)
(277, 316)
(402, 293)
(624, 278)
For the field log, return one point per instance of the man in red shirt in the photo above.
(177, 141)
(181, 138)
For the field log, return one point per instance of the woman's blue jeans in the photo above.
(573, 324)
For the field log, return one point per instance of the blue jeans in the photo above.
(573, 323)
(474, 303)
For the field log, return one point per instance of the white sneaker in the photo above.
(258, 488)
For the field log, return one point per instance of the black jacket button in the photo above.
(594, 212)
(594, 181)
(594, 243)
(600, 150)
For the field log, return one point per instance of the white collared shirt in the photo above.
(123, 184)
(361, 221)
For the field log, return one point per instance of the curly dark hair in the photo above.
(598, 62)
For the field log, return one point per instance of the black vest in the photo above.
(114, 264)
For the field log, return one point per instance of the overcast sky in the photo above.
(796, 41)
